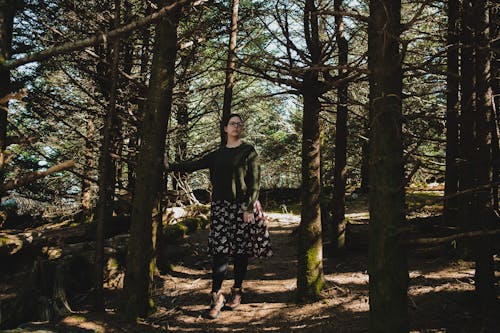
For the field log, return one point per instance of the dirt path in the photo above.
(440, 293)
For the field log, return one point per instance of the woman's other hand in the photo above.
(248, 217)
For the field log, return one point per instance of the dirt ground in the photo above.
(440, 291)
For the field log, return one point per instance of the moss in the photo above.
(193, 223)
(176, 232)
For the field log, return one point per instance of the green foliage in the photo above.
(176, 232)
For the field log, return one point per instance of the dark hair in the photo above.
(225, 120)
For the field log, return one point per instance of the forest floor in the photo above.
(440, 292)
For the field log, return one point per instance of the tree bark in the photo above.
(387, 266)
(86, 202)
(485, 272)
(310, 248)
(230, 67)
(452, 108)
(135, 138)
(107, 169)
(7, 12)
(139, 274)
(495, 84)
(340, 169)
(466, 172)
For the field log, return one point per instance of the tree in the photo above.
(341, 133)
(231, 65)
(140, 267)
(467, 105)
(387, 258)
(485, 271)
(7, 11)
(310, 252)
(107, 170)
(452, 109)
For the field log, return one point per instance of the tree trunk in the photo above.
(135, 138)
(107, 169)
(86, 202)
(387, 266)
(310, 253)
(466, 172)
(139, 273)
(452, 107)
(7, 12)
(230, 67)
(485, 273)
(180, 178)
(495, 85)
(340, 169)
(310, 247)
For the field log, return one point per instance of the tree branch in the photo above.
(99, 38)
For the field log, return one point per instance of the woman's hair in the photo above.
(225, 120)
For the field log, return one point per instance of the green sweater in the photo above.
(234, 173)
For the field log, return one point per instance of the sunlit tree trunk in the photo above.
(387, 266)
(140, 261)
(310, 246)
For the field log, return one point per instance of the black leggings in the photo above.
(219, 268)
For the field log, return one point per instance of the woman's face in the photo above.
(234, 127)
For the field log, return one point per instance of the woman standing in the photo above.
(237, 227)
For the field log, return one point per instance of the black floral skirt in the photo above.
(229, 235)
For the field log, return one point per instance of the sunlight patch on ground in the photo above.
(82, 323)
(358, 216)
(348, 278)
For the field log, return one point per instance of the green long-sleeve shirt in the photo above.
(234, 173)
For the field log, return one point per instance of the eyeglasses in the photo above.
(236, 124)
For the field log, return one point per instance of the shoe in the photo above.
(216, 305)
(236, 295)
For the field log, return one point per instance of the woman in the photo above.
(237, 227)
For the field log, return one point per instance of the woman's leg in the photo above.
(219, 269)
(240, 269)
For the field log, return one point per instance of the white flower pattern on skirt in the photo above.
(229, 235)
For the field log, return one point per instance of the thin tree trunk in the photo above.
(495, 85)
(365, 174)
(230, 67)
(87, 169)
(140, 261)
(182, 136)
(485, 273)
(387, 266)
(466, 172)
(135, 139)
(107, 170)
(310, 247)
(7, 12)
(452, 108)
(340, 169)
